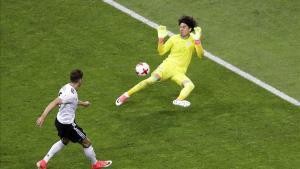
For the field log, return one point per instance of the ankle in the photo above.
(126, 94)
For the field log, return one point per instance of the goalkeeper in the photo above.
(174, 67)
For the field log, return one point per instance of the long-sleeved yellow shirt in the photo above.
(181, 51)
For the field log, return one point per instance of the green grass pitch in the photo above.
(232, 123)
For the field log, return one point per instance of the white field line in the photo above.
(210, 56)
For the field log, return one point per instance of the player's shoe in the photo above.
(101, 164)
(122, 99)
(182, 103)
(41, 164)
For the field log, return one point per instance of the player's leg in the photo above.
(188, 86)
(90, 154)
(141, 85)
(56, 148)
(59, 145)
(42, 164)
(159, 74)
(77, 135)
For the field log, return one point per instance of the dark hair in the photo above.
(190, 21)
(76, 75)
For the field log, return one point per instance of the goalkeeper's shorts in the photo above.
(169, 71)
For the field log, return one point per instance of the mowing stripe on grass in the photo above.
(210, 56)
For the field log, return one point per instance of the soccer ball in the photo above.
(142, 69)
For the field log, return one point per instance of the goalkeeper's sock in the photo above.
(185, 92)
(143, 84)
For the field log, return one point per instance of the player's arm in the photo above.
(84, 103)
(197, 38)
(47, 110)
(199, 49)
(162, 47)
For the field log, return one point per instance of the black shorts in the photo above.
(70, 131)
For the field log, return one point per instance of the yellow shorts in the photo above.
(169, 71)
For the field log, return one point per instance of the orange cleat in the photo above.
(41, 164)
(101, 164)
(122, 99)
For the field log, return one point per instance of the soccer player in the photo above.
(174, 67)
(66, 126)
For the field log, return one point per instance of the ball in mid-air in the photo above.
(142, 69)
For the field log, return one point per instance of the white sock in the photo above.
(90, 153)
(53, 150)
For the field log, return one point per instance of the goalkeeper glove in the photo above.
(162, 32)
(196, 34)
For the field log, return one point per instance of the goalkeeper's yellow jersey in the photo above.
(181, 51)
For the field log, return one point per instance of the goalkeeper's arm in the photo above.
(161, 47)
(197, 36)
(199, 49)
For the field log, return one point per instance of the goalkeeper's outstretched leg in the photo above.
(141, 85)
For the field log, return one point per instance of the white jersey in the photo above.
(67, 109)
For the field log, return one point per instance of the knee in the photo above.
(192, 85)
(189, 85)
(86, 143)
(65, 141)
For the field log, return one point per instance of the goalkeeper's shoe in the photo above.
(41, 164)
(101, 164)
(122, 99)
(182, 103)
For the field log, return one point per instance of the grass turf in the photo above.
(231, 123)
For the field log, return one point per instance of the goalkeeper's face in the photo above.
(184, 30)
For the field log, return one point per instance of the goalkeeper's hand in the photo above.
(196, 34)
(162, 32)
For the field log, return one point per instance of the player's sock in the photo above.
(188, 87)
(90, 153)
(53, 150)
(143, 84)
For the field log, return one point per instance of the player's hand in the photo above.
(40, 121)
(86, 104)
(162, 32)
(196, 34)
